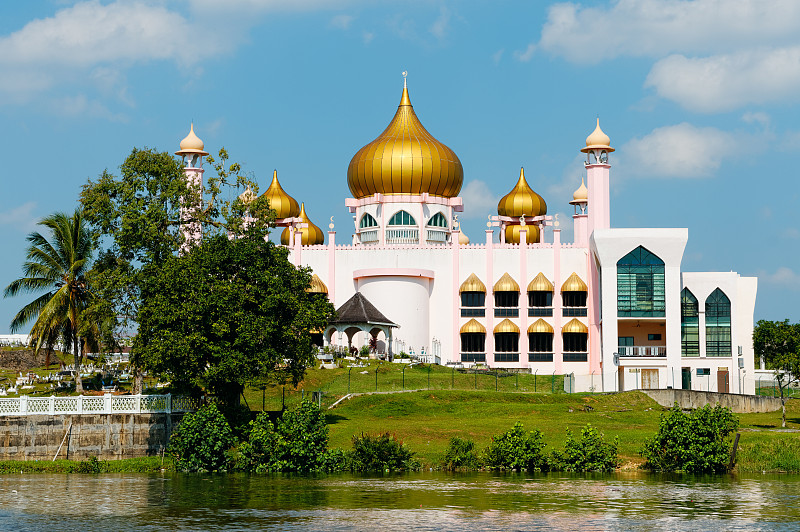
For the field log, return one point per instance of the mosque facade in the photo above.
(612, 309)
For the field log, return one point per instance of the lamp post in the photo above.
(349, 369)
(404, 377)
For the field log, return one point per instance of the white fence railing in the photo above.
(402, 236)
(642, 351)
(98, 404)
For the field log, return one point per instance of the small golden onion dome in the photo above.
(463, 239)
(284, 205)
(247, 196)
(513, 234)
(191, 144)
(581, 195)
(472, 284)
(540, 283)
(312, 235)
(574, 284)
(506, 326)
(574, 326)
(522, 200)
(598, 140)
(540, 326)
(317, 286)
(506, 284)
(405, 159)
(473, 326)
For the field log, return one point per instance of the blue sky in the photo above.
(698, 97)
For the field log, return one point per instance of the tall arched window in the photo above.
(367, 221)
(402, 218)
(690, 327)
(640, 284)
(437, 220)
(718, 324)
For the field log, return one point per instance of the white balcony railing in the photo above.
(406, 235)
(368, 237)
(436, 236)
(97, 404)
(642, 351)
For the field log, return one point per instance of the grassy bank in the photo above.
(150, 464)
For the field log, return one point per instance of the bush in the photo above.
(516, 450)
(381, 453)
(335, 461)
(461, 455)
(297, 442)
(590, 453)
(696, 443)
(201, 441)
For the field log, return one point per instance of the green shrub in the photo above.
(460, 455)
(201, 441)
(696, 443)
(516, 450)
(589, 453)
(335, 461)
(297, 442)
(381, 453)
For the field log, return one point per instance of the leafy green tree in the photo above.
(461, 455)
(58, 267)
(778, 343)
(201, 441)
(589, 453)
(698, 442)
(228, 313)
(517, 450)
(383, 452)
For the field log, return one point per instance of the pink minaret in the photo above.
(580, 199)
(192, 155)
(597, 170)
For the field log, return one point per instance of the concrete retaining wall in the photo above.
(106, 436)
(740, 404)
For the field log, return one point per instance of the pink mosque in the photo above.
(612, 309)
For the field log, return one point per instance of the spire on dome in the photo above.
(191, 144)
(581, 194)
(598, 140)
(282, 203)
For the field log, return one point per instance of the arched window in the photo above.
(640, 284)
(402, 218)
(473, 342)
(438, 220)
(367, 221)
(718, 324)
(690, 328)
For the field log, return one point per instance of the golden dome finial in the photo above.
(405, 159)
(282, 203)
(311, 235)
(598, 140)
(521, 201)
(191, 144)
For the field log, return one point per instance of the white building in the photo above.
(613, 307)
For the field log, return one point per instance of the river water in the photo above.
(418, 501)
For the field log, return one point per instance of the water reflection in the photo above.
(423, 501)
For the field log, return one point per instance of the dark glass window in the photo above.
(473, 342)
(575, 342)
(367, 221)
(402, 218)
(718, 324)
(540, 299)
(540, 342)
(573, 299)
(690, 326)
(473, 299)
(506, 299)
(640, 284)
(437, 220)
(506, 342)
(473, 357)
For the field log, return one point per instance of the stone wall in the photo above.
(740, 404)
(106, 436)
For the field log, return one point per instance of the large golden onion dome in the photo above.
(312, 235)
(405, 159)
(284, 205)
(522, 201)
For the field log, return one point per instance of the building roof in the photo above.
(358, 309)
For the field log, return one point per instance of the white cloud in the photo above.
(783, 277)
(342, 22)
(725, 82)
(497, 56)
(368, 36)
(440, 26)
(756, 118)
(526, 55)
(20, 217)
(479, 201)
(654, 28)
(682, 150)
(791, 232)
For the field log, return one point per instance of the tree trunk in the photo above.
(783, 408)
(78, 357)
(138, 382)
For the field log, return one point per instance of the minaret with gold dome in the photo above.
(598, 146)
(521, 202)
(405, 184)
(192, 152)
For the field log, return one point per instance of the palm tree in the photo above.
(59, 267)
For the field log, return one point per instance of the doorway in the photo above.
(723, 382)
(649, 379)
(686, 378)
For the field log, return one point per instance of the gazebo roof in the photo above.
(358, 309)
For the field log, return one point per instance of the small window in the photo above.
(653, 337)
(540, 299)
(473, 299)
(506, 299)
(574, 299)
(402, 218)
(506, 342)
(367, 221)
(438, 220)
(473, 342)
(703, 371)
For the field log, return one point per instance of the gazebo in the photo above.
(356, 315)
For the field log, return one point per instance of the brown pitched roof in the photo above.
(358, 309)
